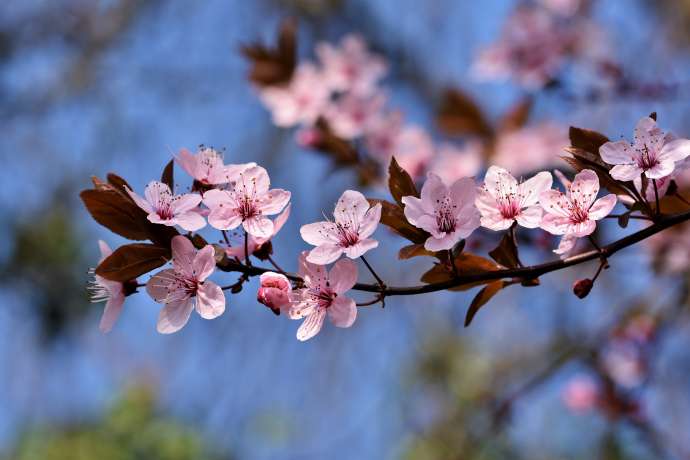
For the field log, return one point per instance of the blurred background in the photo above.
(89, 87)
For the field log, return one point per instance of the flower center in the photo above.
(646, 158)
(247, 199)
(578, 213)
(445, 216)
(323, 299)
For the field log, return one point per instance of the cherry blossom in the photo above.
(350, 67)
(322, 295)
(575, 214)
(256, 243)
(207, 166)
(381, 137)
(274, 291)
(452, 162)
(503, 200)
(531, 148)
(184, 287)
(165, 208)
(301, 101)
(247, 203)
(112, 292)
(448, 213)
(581, 394)
(651, 153)
(352, 115)
(354, 222)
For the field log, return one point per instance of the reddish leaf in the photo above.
(393, 217)
(466, 264)
(414, 250)
(506, 253)
(400, 183)
(167, 177)
(482, 297)
(119, 183)
(132, 260)
(459, 114)
(274, 65)
(119, 214)
(516, 117)
(587, 140)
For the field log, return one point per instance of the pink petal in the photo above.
(463, 191)
(274, 201)
(142, 203)
(187, 161)
(254, 178)
(218, 198)
(280, 220)
(585, 187)
(661, 170)
(617, 153)
(468, 222)
(498, 179)
(174, 316)
(440, 244)
(554, 202)
(311, 325)
(370, 221)
(157, 193)
(583, 228)
(602, 207)
(232, 172)
(105, 250)
(486, 202)
(204, 263)
(495, 221)
(414, 209)
(224, 218)
(566, 245)
(433, 190)
(530, 217)
(183, 253)
(161, 286)
(183, 203)
(357, 250)
(190, 221)
(626, 172)
(156, 219)
(555, 224)
(314, 275)
(343, 276)
(533, 187)
(351, 204)
(343, 312)
(324, 254)
(675, 151)
(319, 233)
(113, 308)
(210, 300)
(260, 227)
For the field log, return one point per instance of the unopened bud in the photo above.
(582, 287)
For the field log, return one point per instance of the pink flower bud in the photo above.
(581, 394)
(582, 287)
(274, 291)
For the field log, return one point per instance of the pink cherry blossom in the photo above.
(112, 292)
(322, 295)
(246, 203)
(575, 214)
(413, 149)
(301, 101)
(581, 394)
(184, 287)
(448, 213)
(354, 222)
(207, 166)
(350, 67)
(531, 148)
(651, 153)
(274, 291)
(562, 7)
(503, 200)
(165, 208)
(352, 114)
(255, 243)
(453, 162)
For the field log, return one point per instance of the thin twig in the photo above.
(246, 249)
(656, 198)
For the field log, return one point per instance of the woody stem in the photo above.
(246, 249)
(656, 197)
(378, 279)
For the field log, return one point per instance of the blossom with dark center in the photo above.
(184, 287)
(207, 166)
(322, 295)
(349, 233)
(448, 213)
(503, 200)
(163, 207)
(246, 203)
(652, 153)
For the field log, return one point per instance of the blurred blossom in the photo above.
(562, 7)
(301, 101)
(350, 67)
(380, 139)
(413, 149)
(206, 166)
(531, 148)
(352, 114)
(453, 162)
(581, 394)
(623, 363)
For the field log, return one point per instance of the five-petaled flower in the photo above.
(112, 292)
(350, 67)
(207, 166)
(185, 287)
(166, 208)
(247, 203)
(354, 222)
(651, 153)
(274, 291)
(323, 294)
(574, 214)
(502, 200)
(448, 213)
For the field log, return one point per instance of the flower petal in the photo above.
(174, 316)
(324, 254)
(566, 245)
(357, 250)
(343, 312)
(204, 263)
(260, 227)
(626, 172)
(190, 221)
(530, 217)
(161, 286)
(433, 190)
(158, 194)
(210, 300)
(319, 233)
(274, 201)
(463, 191)
(675, 151)
(187, 161)
(495, 221)
(554, 202)
(113, 308)
(414, 209)
(224, 218)
(370, 221)
(343, 276)
(661, 169)
(532, 188)
(351, 206)
(311, 325)
(253, 179)
(602, 207)
(183, 253)
(141, 202)
(440, 244)
(105, 250)
(617, 153)
(555, 224)
(585, 187)
(497, 180)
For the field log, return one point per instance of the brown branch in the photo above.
(529, 272)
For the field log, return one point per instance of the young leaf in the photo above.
(393, 217)
(482, 298)
(167, 176)
(516, 117)
(506, 253)
(465, 264)
(414, 250)
(459, 114)
(400, 183)
(587, 140)
(132, 260)
(274, 65)
(116, 212)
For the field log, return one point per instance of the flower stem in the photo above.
(378, 279)
(275, 265)
(656, 198)
(246, 249)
